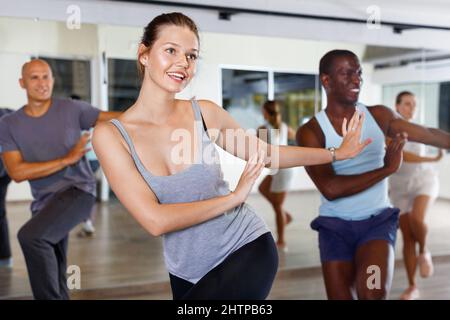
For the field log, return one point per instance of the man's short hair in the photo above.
(326, 62)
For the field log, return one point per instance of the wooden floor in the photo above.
(123, 262)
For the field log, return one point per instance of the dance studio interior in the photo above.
(89, 53)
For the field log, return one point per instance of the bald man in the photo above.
(43, 143)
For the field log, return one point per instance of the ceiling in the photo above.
(319, 20)
(427, 13)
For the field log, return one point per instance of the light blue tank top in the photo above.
(192, 252)
(369, 202)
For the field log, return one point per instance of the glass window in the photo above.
(123, 84)
(428, 97)
(243, 93)
(72, 78)
(299, 96)
(444, 102)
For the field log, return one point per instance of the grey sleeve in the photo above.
(7, 142)
(88, 115)
(5, 111)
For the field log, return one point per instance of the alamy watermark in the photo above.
(73, 21)
(240, 142)
(374, 18)
(74, 277)
(374, 280)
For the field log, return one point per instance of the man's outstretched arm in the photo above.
(393, 124)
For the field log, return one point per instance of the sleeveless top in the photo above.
(192, 252)
(371, 201)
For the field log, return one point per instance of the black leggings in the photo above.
(246, 274)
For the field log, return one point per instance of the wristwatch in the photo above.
(333, 153)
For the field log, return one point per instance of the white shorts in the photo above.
(403, 191)
(282, 180)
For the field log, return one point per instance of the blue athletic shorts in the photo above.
(339, 239)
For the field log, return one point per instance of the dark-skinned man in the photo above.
(357, 225)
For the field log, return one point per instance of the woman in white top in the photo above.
(274, 187)
(413, 188)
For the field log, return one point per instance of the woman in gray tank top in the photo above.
(163, 166)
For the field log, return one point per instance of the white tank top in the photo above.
(371, 201)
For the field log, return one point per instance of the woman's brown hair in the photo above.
(273, 111)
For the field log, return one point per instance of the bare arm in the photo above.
(392, 124)
(414, 158)
(20, 170)
(107, 115)
(227, 133)
(417, 133)
(141, 202)
(334, 186)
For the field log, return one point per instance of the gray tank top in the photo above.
(192, 252)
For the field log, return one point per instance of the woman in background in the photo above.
(275, 186)
(413, 189)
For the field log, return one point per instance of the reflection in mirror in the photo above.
(243, 93)
(123, 83)
(300, 96)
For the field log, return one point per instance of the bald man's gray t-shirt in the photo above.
(49, 137)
